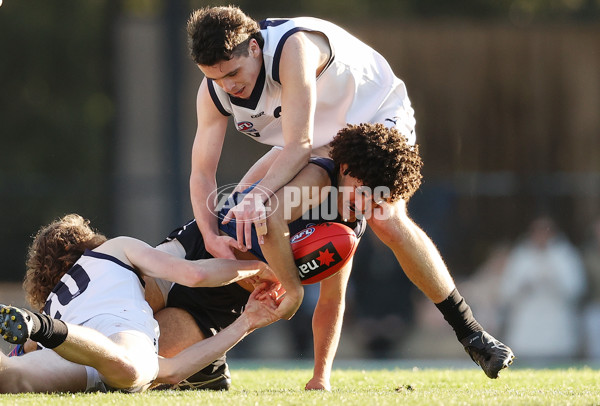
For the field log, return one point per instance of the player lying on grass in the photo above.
(96, 327)
(387, 161)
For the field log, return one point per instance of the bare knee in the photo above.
(395, 230)
(131, 372)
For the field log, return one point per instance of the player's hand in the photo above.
(318, 384)
(221, 246)
(261, 309)
(266, 274)
(251, 210)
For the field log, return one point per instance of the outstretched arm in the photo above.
(302, 57)
(206, 151)
(158, 264)
(302, 193)
(258, 313)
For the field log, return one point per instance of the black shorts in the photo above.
(213, 309)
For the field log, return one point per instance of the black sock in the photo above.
(458, 314)
(47, 331)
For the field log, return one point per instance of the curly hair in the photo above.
(218, 34)
(379, 156)
(54, 250)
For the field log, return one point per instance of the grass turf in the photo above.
(284, 386)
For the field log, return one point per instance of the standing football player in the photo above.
(394, 165)
(293, 83)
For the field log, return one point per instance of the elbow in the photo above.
(194, 275)
(296, 293)
(305, 152)
(300, 151)
(197, 280)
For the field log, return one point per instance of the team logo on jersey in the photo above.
(301, 235)
(244, 126)
(247, 128)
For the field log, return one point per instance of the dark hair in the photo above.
(55, 248)
(218, 34)
(379, 156)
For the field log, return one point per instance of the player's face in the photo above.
(238, 75)
(353, 197)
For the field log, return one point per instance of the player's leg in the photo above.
(424, 266)
(179, 330)
(126, 360)
(413, 249)
(40, 371)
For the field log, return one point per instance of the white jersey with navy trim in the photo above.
(356, 86)
(100, 284)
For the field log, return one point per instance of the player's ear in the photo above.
(343, 169)
(253, 47)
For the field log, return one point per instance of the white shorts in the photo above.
(109, 324)
(397, 112)
(147, 336)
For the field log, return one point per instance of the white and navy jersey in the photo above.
(356, 86)
(99, 284)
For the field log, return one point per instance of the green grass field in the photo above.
(353, 386)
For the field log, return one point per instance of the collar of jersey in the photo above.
(252, 101)
(100, 255)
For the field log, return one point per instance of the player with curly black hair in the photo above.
(365, 157)
(379, 156)
(297, 83)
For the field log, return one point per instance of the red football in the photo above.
(322, 250)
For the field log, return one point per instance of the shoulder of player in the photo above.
(309, 45)
(121, 248)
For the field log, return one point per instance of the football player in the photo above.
(366, 155)
(193, 314)
(96, 328)
(293, 83)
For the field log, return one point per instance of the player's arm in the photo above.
(327, 326)
(258, 170)
(303, 192)
(206, 151)
(257, 313)
(301, 59)
(158, 264)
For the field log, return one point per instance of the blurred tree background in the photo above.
(506, 94)
(56, 118)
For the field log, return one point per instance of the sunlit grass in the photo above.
(283, 386)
